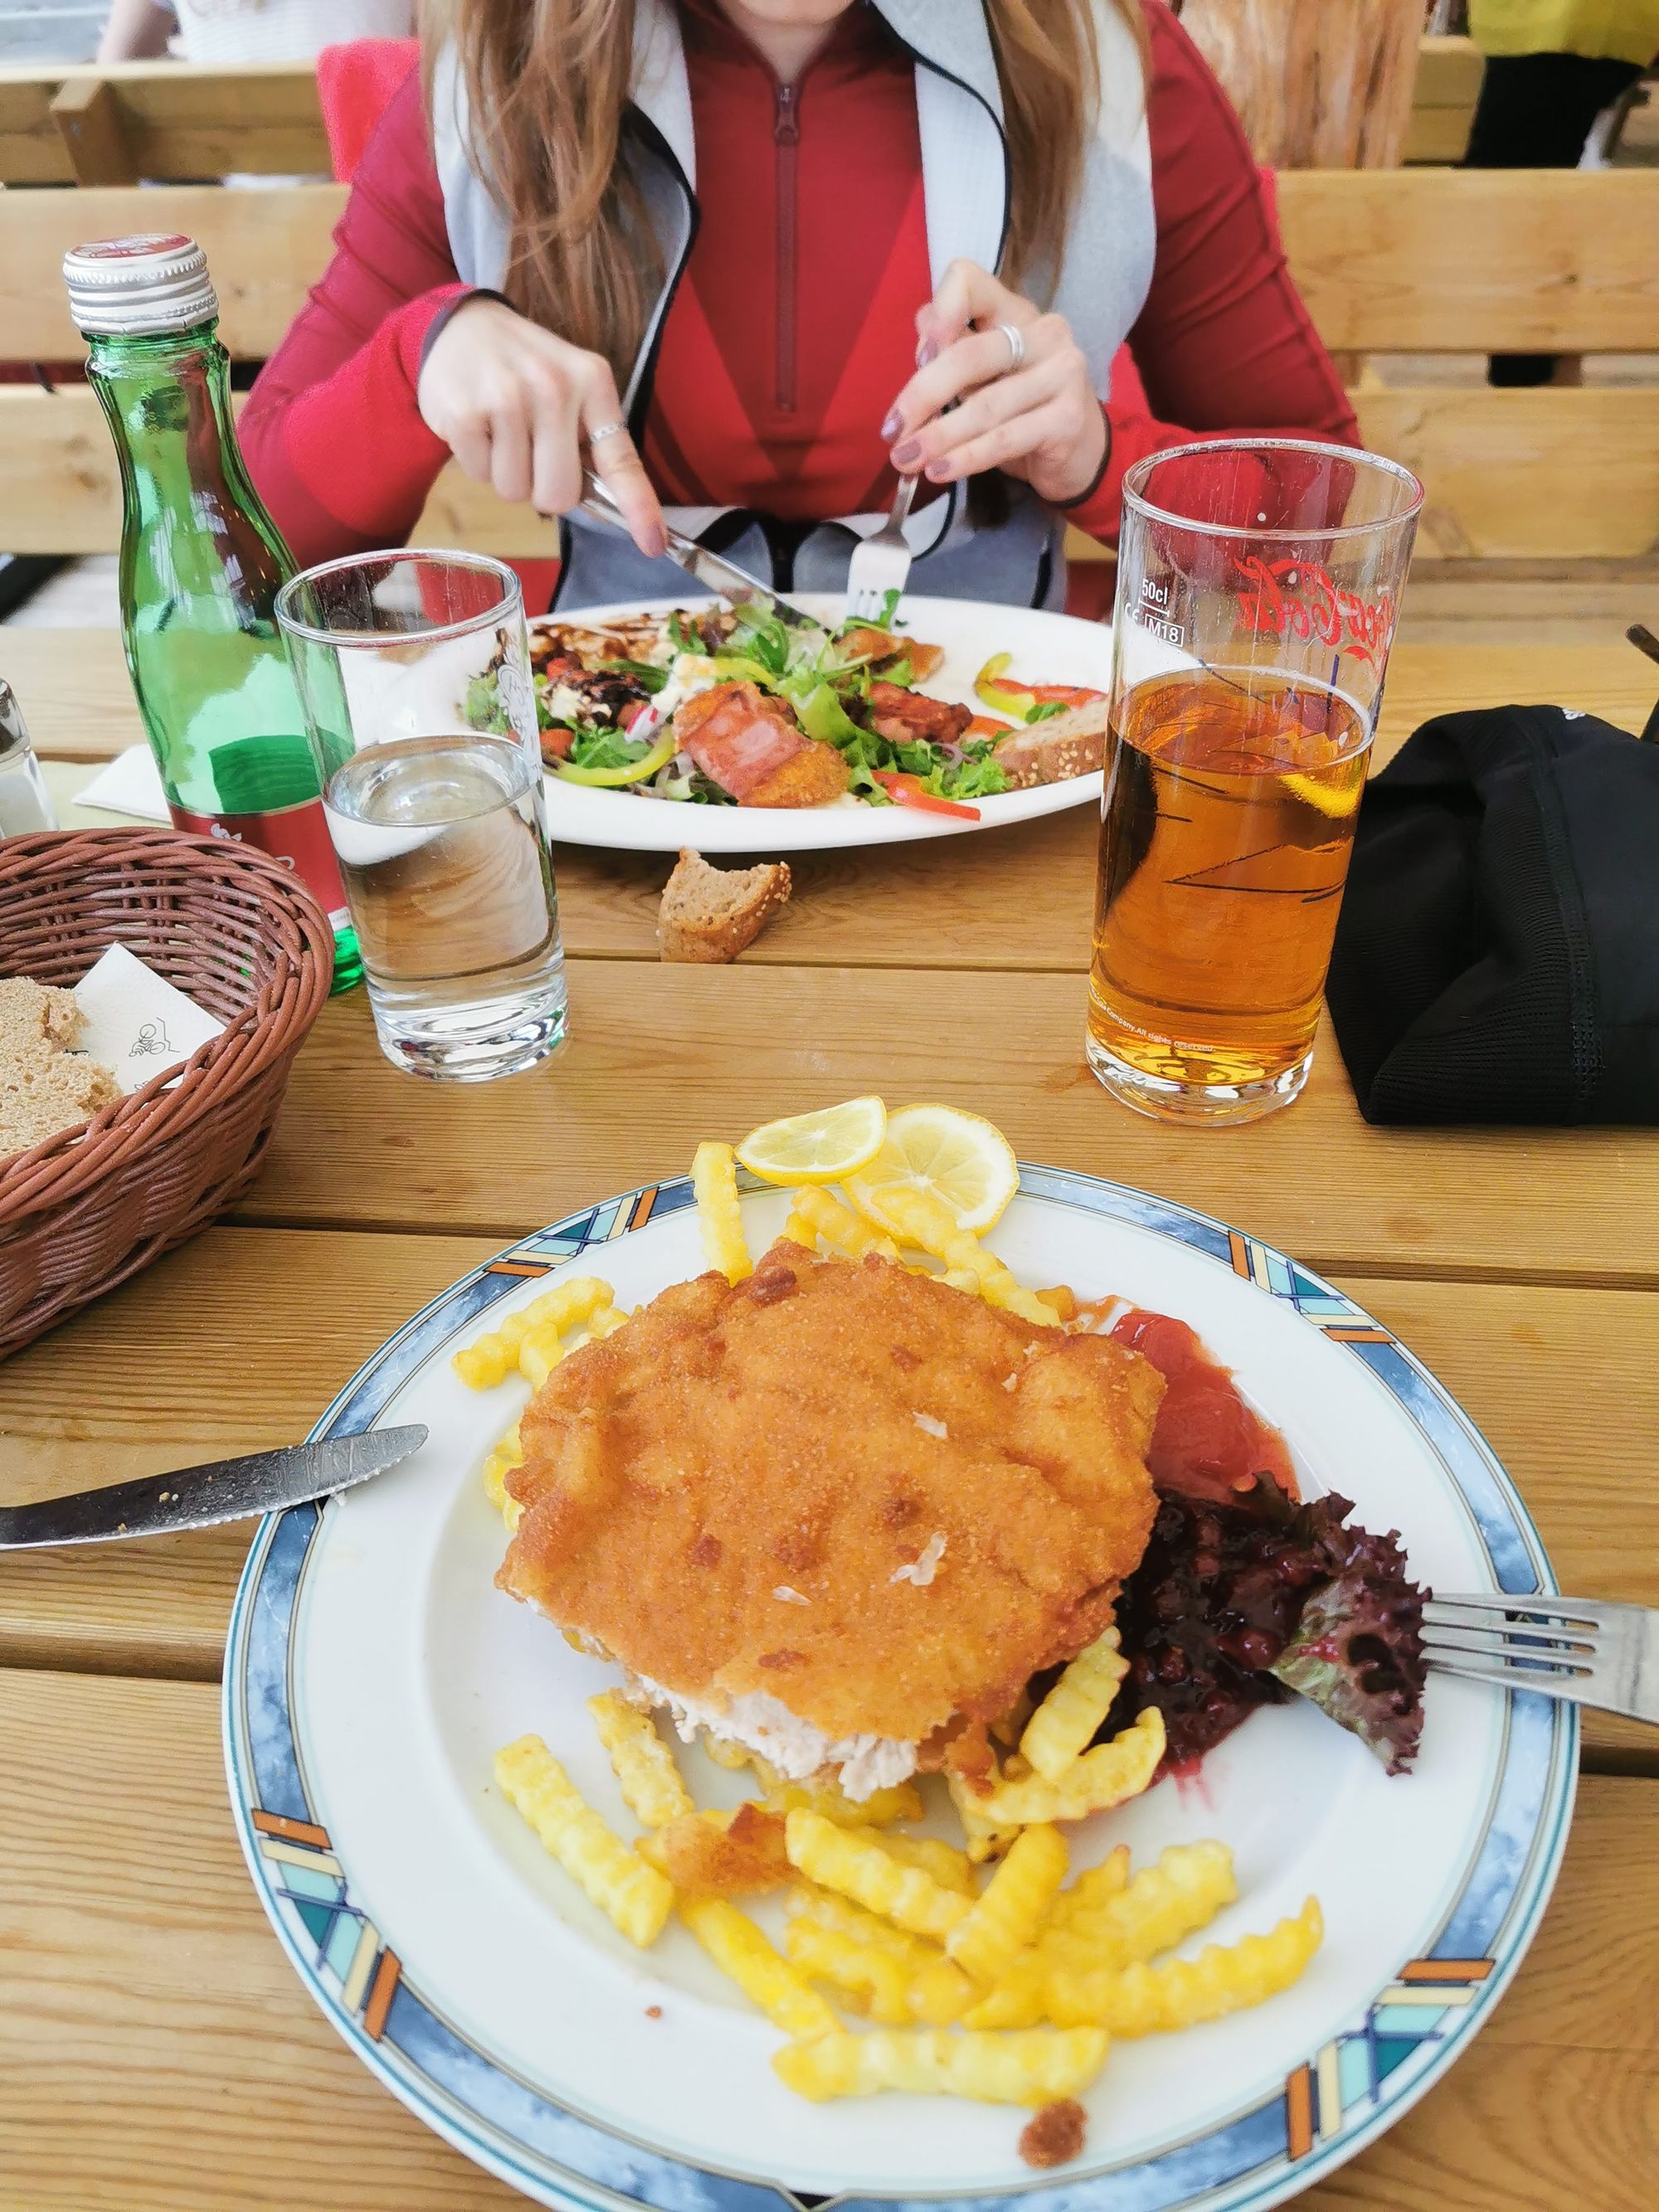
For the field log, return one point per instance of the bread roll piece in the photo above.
(714, 914)
(44, 1087)
(1071, 744)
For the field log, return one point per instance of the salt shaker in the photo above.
(25, 802)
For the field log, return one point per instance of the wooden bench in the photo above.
(1417, 261)
(113, 124)
(1448, 73)
(162, 120)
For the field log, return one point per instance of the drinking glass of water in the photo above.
(438, 822)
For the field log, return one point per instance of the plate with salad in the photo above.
(668, 723)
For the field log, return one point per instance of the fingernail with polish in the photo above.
(926, 351)
(893, 423)
(656, 541)
(938, 471)
(909, 452)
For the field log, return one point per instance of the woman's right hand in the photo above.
(516, 406)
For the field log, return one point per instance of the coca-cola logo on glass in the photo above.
(1298, 598)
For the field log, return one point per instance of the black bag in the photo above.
(1497, 955)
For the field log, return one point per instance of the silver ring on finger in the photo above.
(603, 430)
(1016, 338)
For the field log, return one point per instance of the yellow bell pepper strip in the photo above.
(1026, 702)
(637, 771)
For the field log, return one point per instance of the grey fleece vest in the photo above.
(1099, 281)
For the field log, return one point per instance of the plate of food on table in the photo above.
(667, 723)
(897, 1675)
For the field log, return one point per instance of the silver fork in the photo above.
(881, 564)
(1604, 1655)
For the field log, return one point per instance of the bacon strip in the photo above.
(748, 744)
(904, 717)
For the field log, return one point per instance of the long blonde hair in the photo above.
(548, 84)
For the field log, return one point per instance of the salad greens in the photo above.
(598, 747)
(825, 675)
(647, 674)
(483, 710)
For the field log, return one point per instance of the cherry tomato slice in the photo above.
(906, 791)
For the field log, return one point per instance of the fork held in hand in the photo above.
(1593, 1654)
(881, 564)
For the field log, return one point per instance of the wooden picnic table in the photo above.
(156, 2050)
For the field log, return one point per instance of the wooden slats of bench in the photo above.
(1419, 261)
(170, 121)
(1448, 73)
(1510, 475)
(265, 246)
(160, 119)
(1389, 261)
(1452, 260)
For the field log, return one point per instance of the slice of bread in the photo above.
(44, 1087)
(1071, 744)
(35, 1019)
(714, 914)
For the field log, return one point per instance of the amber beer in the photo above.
(1258, 586)
(1230, 808)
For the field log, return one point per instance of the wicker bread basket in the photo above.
(232, 928)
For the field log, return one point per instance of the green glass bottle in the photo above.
(201, 566)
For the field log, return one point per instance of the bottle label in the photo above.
(296, 835)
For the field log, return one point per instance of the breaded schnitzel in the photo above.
(836, 1511)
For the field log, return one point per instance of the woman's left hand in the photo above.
(1041, 422)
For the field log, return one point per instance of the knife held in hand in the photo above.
(199, 1497)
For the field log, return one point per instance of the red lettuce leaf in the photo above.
(1245, 1602)
(1357, 1653)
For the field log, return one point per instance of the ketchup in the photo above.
(1207, 1442)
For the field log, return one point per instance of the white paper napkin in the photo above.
(130, 785)
(135, 1021)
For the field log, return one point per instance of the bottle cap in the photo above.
(139, 287)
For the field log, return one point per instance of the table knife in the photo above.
(720, 574)
(199, 1497)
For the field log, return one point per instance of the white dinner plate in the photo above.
(1046, 648)
(374, 1669)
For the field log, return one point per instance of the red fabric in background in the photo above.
(355, 86)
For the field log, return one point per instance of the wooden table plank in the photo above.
(226, 1348)
(1020, 898)
(144, 2005)
(662, 1056)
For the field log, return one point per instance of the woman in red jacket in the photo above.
(754, 257)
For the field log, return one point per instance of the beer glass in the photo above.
(1258, 586)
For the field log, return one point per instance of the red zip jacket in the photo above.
(793, 327)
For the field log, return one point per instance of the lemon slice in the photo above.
(961, 1158)
(1335, 801)
(819, 1147)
